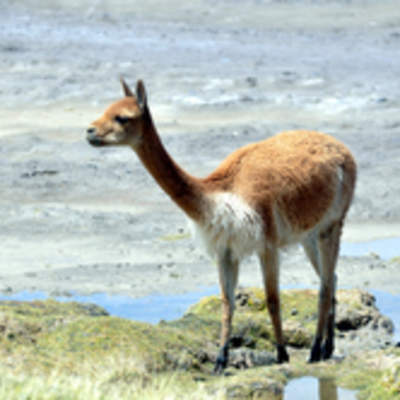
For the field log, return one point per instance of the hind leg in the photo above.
(328, 345)
(333, 253)
(322, 250)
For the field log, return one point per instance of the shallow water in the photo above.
(389, 305)
(310, 388)
(147, 309)
(386, 248)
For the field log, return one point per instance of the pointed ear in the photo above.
(127, 91)
(141, 94)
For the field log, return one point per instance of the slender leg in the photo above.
(328, 248)
(329, 344)
(311, 248)
(310, 245)
(270, 270)
(228, 275)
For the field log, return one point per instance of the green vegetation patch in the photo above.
(22, 322)
(252, 323)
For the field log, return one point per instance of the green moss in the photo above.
(252, 321)
(145, 347)
(47, 335)
(22, 322)
(207, 329)
(207, 306)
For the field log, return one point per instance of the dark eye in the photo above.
(122, 120)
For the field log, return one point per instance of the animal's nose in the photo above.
(91, 131)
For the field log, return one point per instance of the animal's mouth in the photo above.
(95, 141)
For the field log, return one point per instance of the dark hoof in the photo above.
(222, 360)
(313, 359)
(315, 354)
(219, 367)
(327, 351)
(283, 356)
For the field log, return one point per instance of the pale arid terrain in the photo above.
(219, 74)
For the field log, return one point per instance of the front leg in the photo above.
(228, 275)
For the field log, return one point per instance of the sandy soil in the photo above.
(219, 74)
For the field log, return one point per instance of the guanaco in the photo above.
(295, 187)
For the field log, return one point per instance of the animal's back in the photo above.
(295, 173)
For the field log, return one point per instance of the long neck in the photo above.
(185, 190)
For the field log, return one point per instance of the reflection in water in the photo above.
(327, 389)
(310, 388)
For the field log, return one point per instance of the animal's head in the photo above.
(122, 121)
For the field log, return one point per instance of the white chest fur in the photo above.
(230, 223)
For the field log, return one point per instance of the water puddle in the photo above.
(389, 305)
(386, 248)
(310, 388)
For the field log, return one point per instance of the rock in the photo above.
(7, 290)
(360, 323)
(252, 81)
(243, 358)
